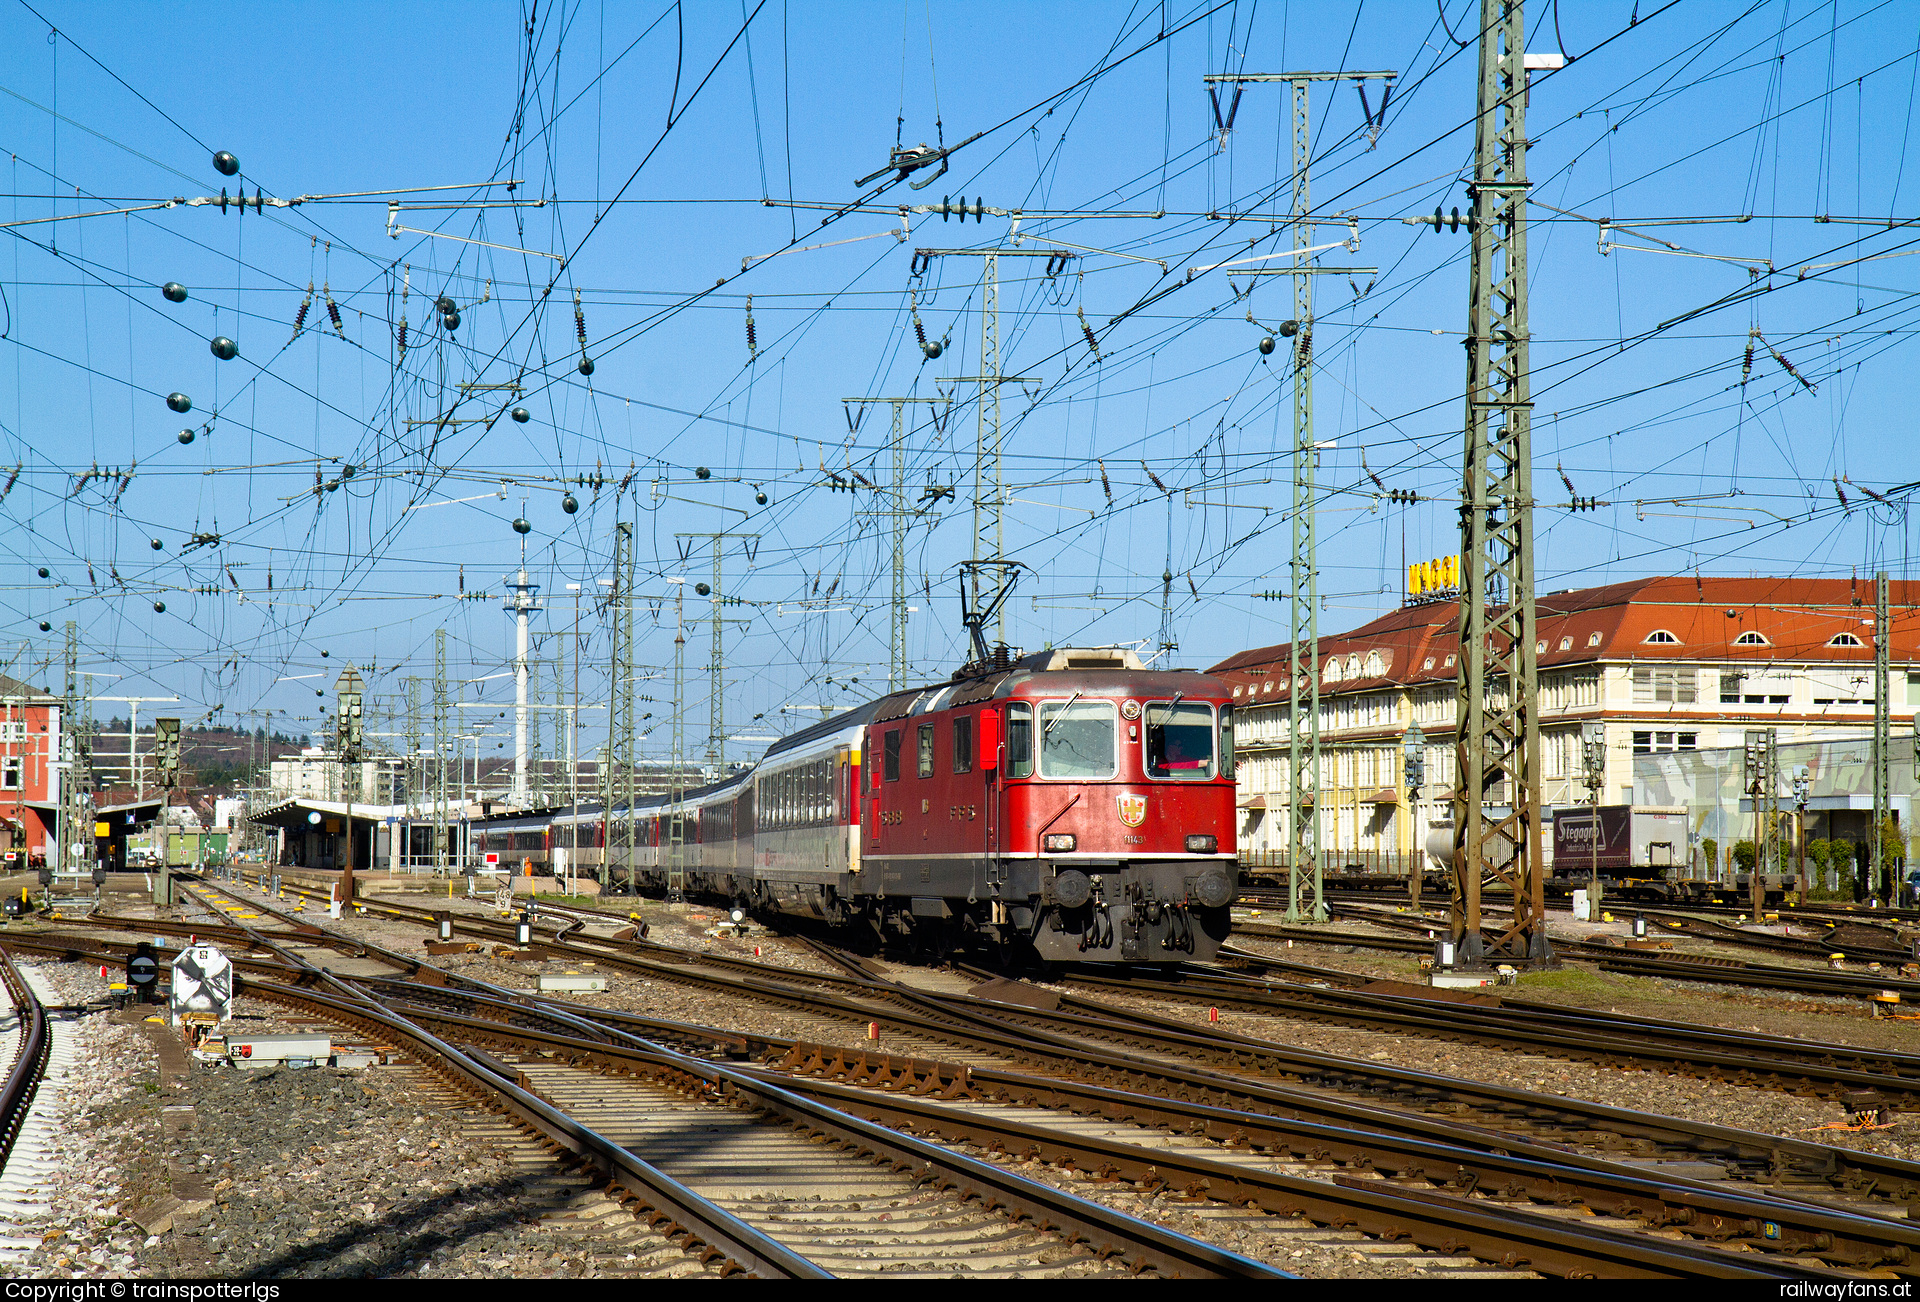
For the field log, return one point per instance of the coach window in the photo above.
(926, 750)
(891, 761)
(1019, 739)
(1179, 740)
(963, 744)
(1226, 741)
(1077, 739)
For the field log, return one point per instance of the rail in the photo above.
(29, 1059)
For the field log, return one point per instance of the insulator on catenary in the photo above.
(1106, 485)
(300, 317)
(579, 321)
(1087, 330)
(403, 336)
(753, 346)
(333, 311)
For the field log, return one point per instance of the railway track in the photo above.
(1282, 1139)
(1670, 966)
(28, 1125)
(743, 1172)
(1025, 1120)
(850, 1001)
(1834, 1070)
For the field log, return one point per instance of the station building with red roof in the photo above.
(1670, 664)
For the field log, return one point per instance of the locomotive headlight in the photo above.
(1201, 843)
(1058, 842)
(738, 916)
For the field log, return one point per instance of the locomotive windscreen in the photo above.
(1076, 739)
(1179, 741)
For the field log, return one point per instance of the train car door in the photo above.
(987, 742)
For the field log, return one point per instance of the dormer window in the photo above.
(1428, 664)
(1353, 666)
(1751, 638)
(1842, 639)
(1269, 687)
(1374, 666)
(1332, 672)
(1660, 637)
(1593, 639)
(1449, 662)
(1566, 644)
(1540, 647)
(1236, 691)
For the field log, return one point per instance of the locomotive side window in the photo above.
(963, 744)
(926, 750)
(1077, 739)
(1179, 741)
(1019, 739)
(1226, 741)
(891, 763)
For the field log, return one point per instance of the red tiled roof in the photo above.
(1798, 618)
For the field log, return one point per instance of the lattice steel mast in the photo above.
(899, 514)
(1305, 871)
(1498, 737)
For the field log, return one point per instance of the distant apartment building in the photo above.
(1664, 665)
(30, 789)
(317, 774)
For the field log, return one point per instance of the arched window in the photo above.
(1374, 667)
(1593, 639)
(1751, 638)
(1660, 637)
(1844, 639)
(1331, 673)
(1353, 666)
(1566, 644)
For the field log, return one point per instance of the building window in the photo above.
(1654, 685)
(10, 773)
(1428, 664)
(1751, 639)
(1593, 639)
(1656, 743)
(1660, 637)
(1566, 644)
(1844, 639)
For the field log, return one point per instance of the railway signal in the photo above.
(166, 752)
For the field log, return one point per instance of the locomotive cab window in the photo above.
(1179, 740)
(1019, 740)
(1226, 741)
(963, 744)
(926, 750)
(891, 761)
(1077, 739)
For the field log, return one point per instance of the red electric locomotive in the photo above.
(1072, 800)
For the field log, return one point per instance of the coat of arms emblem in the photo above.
(1133, 809)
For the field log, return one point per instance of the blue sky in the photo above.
(1787, 118)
